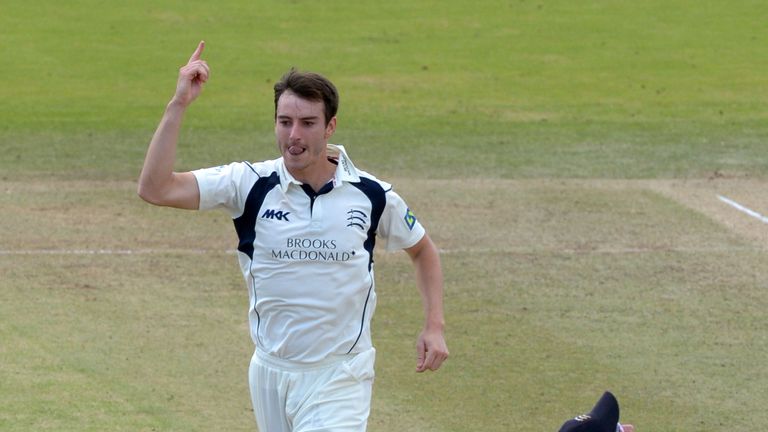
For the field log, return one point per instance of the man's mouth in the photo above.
(296, 150)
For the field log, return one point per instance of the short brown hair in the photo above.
(310, 86)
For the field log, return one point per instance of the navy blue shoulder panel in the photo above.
(245, 225)
(377, 195)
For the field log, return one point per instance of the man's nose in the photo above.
(295, 133)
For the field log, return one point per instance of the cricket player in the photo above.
(307, 224)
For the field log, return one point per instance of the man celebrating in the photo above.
(307, 224)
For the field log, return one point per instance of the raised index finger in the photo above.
(198, 51)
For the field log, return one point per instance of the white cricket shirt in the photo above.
(307, 257)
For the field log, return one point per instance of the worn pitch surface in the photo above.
(122, 316)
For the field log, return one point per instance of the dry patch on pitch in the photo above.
(582, 216)
(660, 274)
(702, 196)
(466, 215)
(79, 216)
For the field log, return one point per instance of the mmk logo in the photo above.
(276, 214)
(356, 218)
(410, 219)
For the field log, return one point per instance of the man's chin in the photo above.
(294, 163)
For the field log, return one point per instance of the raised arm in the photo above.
(158, 183)
(431, 349)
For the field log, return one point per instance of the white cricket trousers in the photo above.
(330, 396)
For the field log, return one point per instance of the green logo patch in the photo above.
(410, 219)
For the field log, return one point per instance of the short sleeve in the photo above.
(223, 186)
(399, 225)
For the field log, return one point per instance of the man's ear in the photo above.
(330, 128)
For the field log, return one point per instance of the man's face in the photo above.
(302, 134)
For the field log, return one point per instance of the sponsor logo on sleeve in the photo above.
(410, 219)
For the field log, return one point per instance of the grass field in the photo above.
(565, 156)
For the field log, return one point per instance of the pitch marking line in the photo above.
(743, 209)
(111, 251)
(508, 251)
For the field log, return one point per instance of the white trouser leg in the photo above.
(334, 396)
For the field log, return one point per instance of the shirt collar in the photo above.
(345, 169)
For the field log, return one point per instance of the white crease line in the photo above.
(596, 251)
(741, 208)
(508, 251)
(110, 251)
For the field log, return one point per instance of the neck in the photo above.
(318, 177)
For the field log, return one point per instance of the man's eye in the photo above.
(309, 123)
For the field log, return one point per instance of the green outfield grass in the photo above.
(566, 156)
(493, 88)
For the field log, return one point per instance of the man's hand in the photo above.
(192, 76)
(158, 183)
(431, 350)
